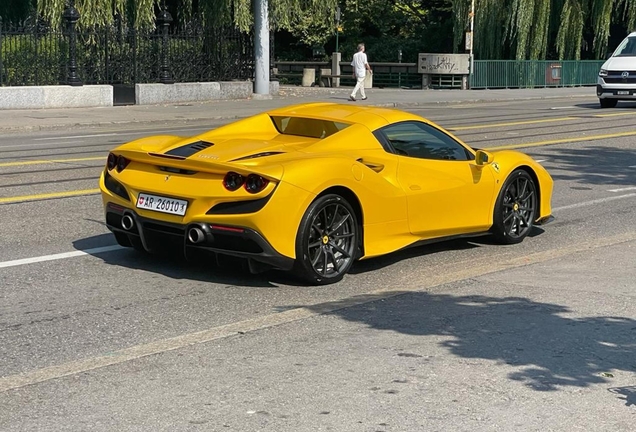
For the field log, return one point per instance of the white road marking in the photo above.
(79, 145)
(104, 249)
(59, 256)
(564, 108)
(540, 160)
(596, 201)
(75, 137)
(623, 189)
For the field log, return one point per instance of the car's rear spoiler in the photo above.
(273, 172)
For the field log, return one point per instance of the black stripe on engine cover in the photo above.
(189, 149)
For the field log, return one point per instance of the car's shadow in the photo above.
(546, 346)
(205, 268)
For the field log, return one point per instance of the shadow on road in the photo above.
(593, 165)
(550, 347)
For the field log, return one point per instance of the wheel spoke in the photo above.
(341, 236)
(344, 219)
(508, 205)
(523, 219)
(334, 261)
(339, 249)
(530, 195)
(316, 227)
(316, 258)
(324, 267)
(315, 244)
(523, 191)
(333, 219)
(507, 218)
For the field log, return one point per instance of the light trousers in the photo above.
(359, 86)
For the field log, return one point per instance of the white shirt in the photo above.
(358, 63)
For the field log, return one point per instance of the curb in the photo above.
(185, 121)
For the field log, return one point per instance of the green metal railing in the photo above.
(492, 74)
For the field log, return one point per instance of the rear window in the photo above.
(307, 127)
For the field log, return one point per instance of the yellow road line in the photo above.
(66, 194)
(49, 161)
(562, 141)
(615, 114)
(488, 125)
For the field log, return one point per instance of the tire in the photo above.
(608, 103)
(515, 208)
(327, 240)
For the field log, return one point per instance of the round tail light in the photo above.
(122, 163)
(233, 181)
(111, 162)
(255, 183)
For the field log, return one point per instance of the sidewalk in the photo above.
(15, 121)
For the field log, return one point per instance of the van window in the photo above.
(627, 48)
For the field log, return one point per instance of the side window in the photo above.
(419, 140)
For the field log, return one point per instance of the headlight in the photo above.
(602, 73)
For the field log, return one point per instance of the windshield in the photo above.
(627, 48)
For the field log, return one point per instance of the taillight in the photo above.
(111, 162)
(233, 181)
(122, 163)
(255, 183)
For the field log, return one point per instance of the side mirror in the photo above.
(483, 157)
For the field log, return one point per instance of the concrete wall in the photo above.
(152, 94)
(37, 97)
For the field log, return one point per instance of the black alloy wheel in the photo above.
(327, 240)
(516, 208)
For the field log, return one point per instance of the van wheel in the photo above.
(608, 103)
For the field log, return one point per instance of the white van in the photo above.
(617, 77)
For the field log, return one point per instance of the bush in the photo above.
(31, 59)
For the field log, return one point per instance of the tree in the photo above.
(534, 29)
(141, 13)
(14, 11)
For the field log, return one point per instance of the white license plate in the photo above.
(162, 204)
(622, 92)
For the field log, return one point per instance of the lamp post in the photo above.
(338, 16)
(71, 16)
(400, 70)
(472, 38)
(164, 19)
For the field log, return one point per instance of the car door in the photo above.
(447, 193)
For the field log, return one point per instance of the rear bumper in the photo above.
(156, 235)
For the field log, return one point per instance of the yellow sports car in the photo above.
(315, 187)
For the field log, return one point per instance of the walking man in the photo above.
(360, 68)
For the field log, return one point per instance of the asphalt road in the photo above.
(461, 335)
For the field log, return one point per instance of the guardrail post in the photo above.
(164, 19)
(71, 15)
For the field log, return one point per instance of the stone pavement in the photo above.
(74, 118)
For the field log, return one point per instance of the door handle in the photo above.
(377, 167)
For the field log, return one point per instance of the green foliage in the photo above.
(16, 10)
(531, 29)
(31, 60)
